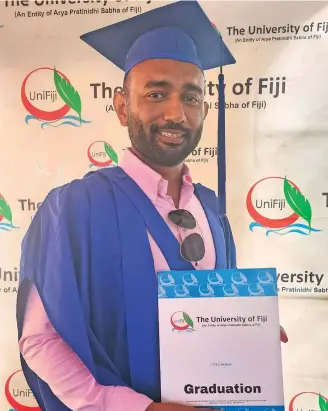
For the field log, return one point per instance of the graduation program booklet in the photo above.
(220, 339)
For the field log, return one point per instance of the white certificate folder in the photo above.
(220, 339)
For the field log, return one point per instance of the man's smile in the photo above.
(171, 137)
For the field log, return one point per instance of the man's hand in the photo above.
(172, 407)
(283, 335)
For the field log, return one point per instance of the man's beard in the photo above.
(148, 146)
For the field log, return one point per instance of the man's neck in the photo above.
(173, 175)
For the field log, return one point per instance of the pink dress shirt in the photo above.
(49, 356)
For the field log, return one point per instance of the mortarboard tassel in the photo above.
(222, 166)
(221, 160)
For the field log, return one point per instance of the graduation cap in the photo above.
(179, 31)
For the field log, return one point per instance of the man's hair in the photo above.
(126, 85)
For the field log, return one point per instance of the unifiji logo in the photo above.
(51, 99)
(6, 216)
(182, 322)
(278, 206)
(18, 394)
(101, 154)
(313, 401)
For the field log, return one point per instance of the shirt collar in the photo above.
(151, 182)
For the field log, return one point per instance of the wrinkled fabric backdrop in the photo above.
(276, 128)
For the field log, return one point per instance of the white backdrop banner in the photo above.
(277, 145)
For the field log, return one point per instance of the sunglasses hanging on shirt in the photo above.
(192, 248)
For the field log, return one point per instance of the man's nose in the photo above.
(174, 111)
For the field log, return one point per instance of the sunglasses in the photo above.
(192, 248)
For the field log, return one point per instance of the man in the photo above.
(87, 301)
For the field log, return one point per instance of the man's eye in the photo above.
(155, 96)
(192, 99)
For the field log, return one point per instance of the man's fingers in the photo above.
(283, 335)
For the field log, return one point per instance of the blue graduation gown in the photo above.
(88, 253)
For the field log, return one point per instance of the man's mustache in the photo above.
(155, 128)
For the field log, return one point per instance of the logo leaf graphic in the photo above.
(111, 153)
(5, 210)
(323, 403)
(188, 320)
(297, 201)
(68, 93)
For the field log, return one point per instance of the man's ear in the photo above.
(206, 107)
(119, 101)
